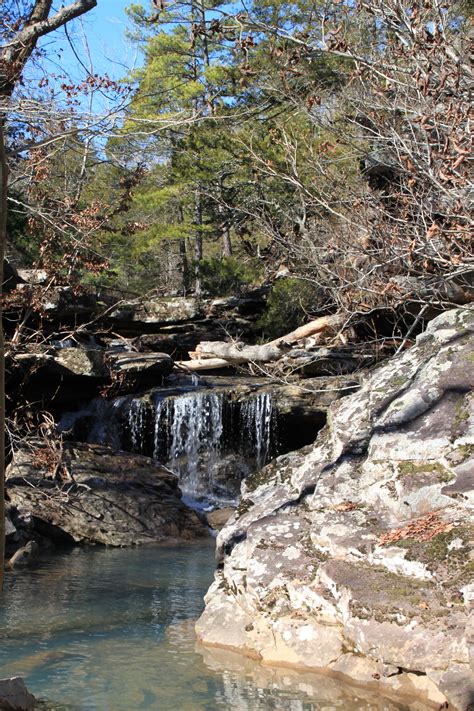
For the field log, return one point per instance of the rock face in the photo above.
(159, 311)
(59, 374)
(15, 695)
(355, 554)
(93, 494)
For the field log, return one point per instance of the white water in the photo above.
(204, 436)
(193, 425)
(259, 426)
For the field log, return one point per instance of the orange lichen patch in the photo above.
(423, 529)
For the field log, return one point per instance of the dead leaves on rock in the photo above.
(345, 506)
(423, 529)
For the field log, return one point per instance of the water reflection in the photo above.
(114, 629)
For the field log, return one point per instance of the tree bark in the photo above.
(3, 231)
(198, 253)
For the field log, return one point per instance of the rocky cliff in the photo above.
(354, 554)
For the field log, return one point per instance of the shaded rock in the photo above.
(11, 276)
(364, 539)
(101, 496)
(61, 373)
(218, 518)
(62, 303)
(15, 695)
(319, 362)
(175, 344)
(132, 370)
(10, 529)
(58, 374)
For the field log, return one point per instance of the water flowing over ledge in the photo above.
(209, 438)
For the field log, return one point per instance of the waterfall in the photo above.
(259, 426)
(209, 439)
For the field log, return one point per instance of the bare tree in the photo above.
(379, 175)
(23, 24)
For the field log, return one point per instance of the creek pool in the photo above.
(111, 630)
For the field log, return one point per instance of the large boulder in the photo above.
(68, 374)
(85, 493)
(354, 555)
(15, 695)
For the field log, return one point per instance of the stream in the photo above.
(113, 629)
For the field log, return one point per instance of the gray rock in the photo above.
(218, 518)
(131, 370)
(157, 312)
(98, 495)
(15, 695)
(361, 544)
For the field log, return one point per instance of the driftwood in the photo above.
(236, 352)
(210, 355)
(196, 366)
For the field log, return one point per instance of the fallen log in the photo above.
(323, 327)
(237, 353)
(318, 330)
(196, 366)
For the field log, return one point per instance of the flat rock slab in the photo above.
(93, 494)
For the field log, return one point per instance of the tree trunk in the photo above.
(226, 242)
(3, 231)
(198, 243)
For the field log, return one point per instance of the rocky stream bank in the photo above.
(354, 554)
(351, 555)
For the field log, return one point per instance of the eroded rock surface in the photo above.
(93, 494)
(15, 695)
(355, 553)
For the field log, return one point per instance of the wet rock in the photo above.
(364, 539)
(15, 695)
(99, 496)
(218, 518)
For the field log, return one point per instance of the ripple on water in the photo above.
(111, 630)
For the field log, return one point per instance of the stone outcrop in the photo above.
(15, 696)
(93, 494)
(157, 312)
(59, 374)
(354, 555)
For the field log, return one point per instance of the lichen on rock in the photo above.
(359, 547)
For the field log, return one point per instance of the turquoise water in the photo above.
(108, 629)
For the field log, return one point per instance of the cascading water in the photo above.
(188, 430)
(259, 426)
(208, 438)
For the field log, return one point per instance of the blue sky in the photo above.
(110, 51)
